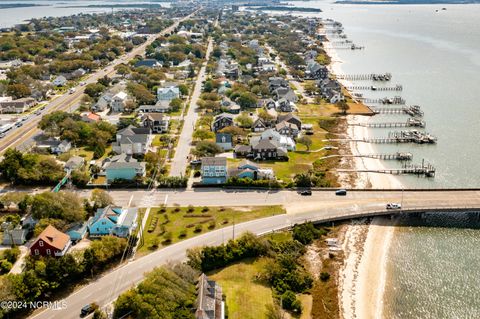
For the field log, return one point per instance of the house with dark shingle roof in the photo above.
(209, 304)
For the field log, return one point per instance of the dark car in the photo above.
(196, 162)
(306, 193)
(341, 192)
(88, 309)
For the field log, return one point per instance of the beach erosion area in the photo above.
(366, 243)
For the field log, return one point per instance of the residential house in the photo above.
(243, 150)
(277, 82)
(221, 121)
(214, 170)
(73, 163)
(90, 117)
(247, 169)
(51, 242)
(55, 146)
(148, 63)
(282, 141)
(59, 81)
(268, 67)
(16, 236)
(103, 103)
(310, 55)
(159, 107)
(290, 118)
(17, 106)
(287, 129)
(168, 93)
(224, 140)
(316, 71)
(267, 149)
(209, 304)
(259, 125)
(113, 220)
(123, 167)
(119, 101)
(157, 122)
(285, 93)
(132, 140)
(284, 105)
(78, 231)
(267, 103)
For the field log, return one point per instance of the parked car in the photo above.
(341, 192)
(306, 193)
(394, 206)
(196, 162)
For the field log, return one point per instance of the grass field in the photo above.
(246, 298)
(173, 224)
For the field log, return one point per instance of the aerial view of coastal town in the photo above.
(239, 159)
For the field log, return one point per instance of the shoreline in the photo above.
(363, 276)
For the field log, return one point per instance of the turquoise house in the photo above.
(112, 220)
(124, 170)
(78, 231)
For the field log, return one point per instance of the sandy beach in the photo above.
(366, 244)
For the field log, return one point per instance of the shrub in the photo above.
(211, 225)
(324, 276)
(205, 209)
(190, 209)
(290, 302)
(305, 233)
(225, 221)
(176, 209)
(183, 233)
(198, 228)
(167, 238)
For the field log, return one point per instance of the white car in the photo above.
(394, 206)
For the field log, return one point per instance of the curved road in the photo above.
(321, 206)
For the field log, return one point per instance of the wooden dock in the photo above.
(365, 77)
(426, 170)
(413, 110)
(411, 122)
(397, 87)
(413, 136)
(397, 100)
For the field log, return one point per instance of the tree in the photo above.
(247, 99)
(265, 116)
(208, 86)
(11, 163)
(176, 104)
(183, 89)
(290, 302)
(207, 148)
(305, 140)
(305, 233)
(141, 94)
(105, 81)
(18, 90)
(303, 180)
(94, 89)
(244, 120)
(62, 205)
(203, 134)
(100, 198)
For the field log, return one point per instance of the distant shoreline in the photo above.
(407, 2)
(284, 8)
(20, 5)
(133, 5)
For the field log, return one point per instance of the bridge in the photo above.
(322, 206)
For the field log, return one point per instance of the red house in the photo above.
(51, 242)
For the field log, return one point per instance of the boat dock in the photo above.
(420, 170)
(365, 77)
(413, 136)
(348, 47)
(399, 156)
(397, 87)
(397, 100)
(413, 110)
(411, 122)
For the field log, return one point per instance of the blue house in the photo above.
(78, 231)
(124, 170)
(214, 170)
(112, 220)
(168, 93)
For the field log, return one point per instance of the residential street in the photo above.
(180, 162)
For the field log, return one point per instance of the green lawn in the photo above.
(246, 297)
(181, 223)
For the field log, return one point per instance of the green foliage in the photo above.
(324, 276)
(207, 148)
(247, 99)
(30, 169)
(141, 94)
(305, 140)
(172, 181)
(94, 90)
(176, 104)
(18, 90)
(305, 233)
(248, 182)
(100, 198)
(244, 120)
(165, 293)
(290, 302)
(63, 205)
(209, 258)
(5, 266)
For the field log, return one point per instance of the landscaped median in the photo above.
(168, 225)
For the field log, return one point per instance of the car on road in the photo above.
(71, 91)
(2, 135)
(38, 112)
(82, 83)
(18, 124)
(196, 162)
(341, 192)
(394, 206)
(88, 309)
(306, 193)
(328, 147)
